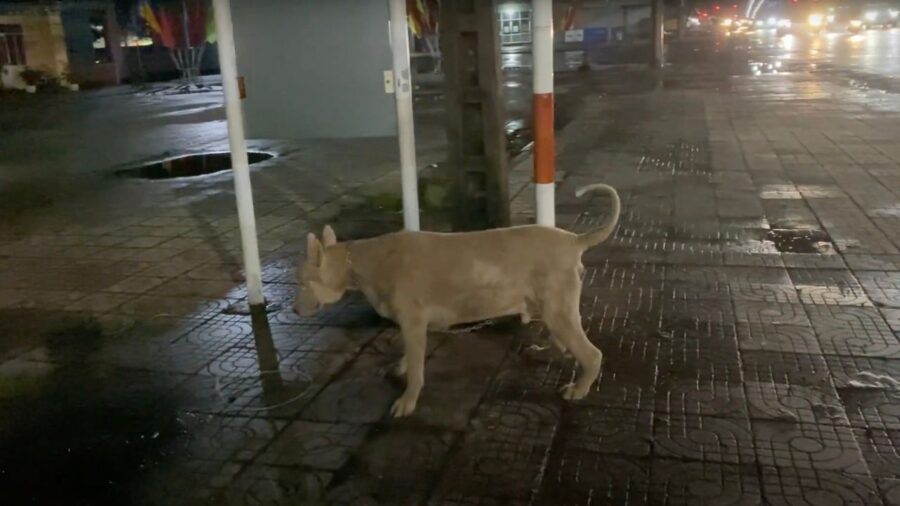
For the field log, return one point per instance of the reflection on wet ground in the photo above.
(74, 431)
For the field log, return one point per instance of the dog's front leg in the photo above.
(400, 370)
(415, 339)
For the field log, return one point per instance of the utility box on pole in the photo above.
(470, 48)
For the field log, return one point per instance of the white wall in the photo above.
(313, 68)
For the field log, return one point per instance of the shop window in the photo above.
(12, 47)
(515, 25)
(97, 21)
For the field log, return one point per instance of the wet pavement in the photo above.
(748, 308)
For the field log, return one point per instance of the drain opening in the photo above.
(189, 166)
(801, 241)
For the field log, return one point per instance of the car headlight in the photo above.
(855, 23)
(815, 20)
(784, 23)
(871, 16)
(772, 21)
(727, 22)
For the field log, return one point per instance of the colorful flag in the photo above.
(422, 16)
(150, 17)
(210, 25)
(168, 28)
(569, 20)
(196, 22)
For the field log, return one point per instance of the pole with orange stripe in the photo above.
(542, 124)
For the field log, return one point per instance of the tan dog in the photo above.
(425, 280)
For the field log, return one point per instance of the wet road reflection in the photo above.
(873, 55)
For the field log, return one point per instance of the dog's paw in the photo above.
(403, 407)
(572, 392)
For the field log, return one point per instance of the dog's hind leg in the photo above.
(559, 344)
(563, 319)
(415, 339)
(569, 332)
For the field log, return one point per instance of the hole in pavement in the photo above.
(801, 241)
(189, 166)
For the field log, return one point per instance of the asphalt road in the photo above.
(871, 59)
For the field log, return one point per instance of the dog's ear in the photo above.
(328, 236)
(313, 249)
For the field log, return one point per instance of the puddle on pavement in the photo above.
(885, 212)
(74, 432)
(860, 80)
(77, 429)
(801, 241)
(189, 166)
(817, 191)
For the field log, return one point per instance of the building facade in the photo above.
(596, 21)
(75, 41)
(81, 42)
(31, 36)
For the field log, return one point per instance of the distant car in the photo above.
(783, 26)
(880, 15)
(849, 18)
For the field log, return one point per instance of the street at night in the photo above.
(746, 306)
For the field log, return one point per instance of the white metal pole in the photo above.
(238, 144)
(756, 9)
(544, 144)
(405, 125)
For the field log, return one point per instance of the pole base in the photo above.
(246, 309)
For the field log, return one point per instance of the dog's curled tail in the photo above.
(594, 238)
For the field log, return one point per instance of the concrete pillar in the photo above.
(470, 47)
(657, 18)
(113, 35)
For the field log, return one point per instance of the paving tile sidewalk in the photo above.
(748, 309)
